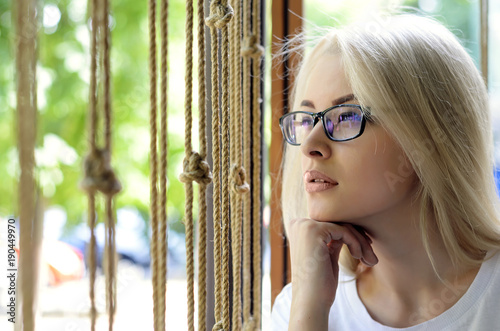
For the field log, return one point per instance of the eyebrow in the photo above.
(338, 101)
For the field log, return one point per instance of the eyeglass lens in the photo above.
(340, 123)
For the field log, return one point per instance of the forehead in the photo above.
(324, 81)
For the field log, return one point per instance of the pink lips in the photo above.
(315, 181)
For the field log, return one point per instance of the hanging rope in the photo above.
(229, 172)
(159, 240)
(110, 222)
(163, 242)
(254, 324)
(238, 174)
(153, 160)
(91, 219)
(210, 21)
(195, 168)
(27, 27)
(247, 143)
(202, 219)
(92, 258)
(188, 221)
(220, 15)
(98, 173)
(225, 157)
(110, 271)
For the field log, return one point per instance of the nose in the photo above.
(316, 144)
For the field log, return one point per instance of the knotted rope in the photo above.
(202, 189)
(250, 325)
(220, 14)
(90, 193)
(196, 169)
(110, 246)
(98, 173)
(218, 326)
(252, 48)
(237, 174)
(238, 180)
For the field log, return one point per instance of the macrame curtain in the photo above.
(235, 128)
(234, 33)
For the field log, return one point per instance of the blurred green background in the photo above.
(63, 77)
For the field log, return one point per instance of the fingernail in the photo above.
(366, 262)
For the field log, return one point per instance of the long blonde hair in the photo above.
(427, 93)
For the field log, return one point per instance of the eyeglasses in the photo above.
(341, 123)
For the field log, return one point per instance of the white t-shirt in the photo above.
(477, 310)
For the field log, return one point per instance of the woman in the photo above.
(390, 149)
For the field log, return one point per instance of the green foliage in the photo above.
(63, 76)
(460, 16)
(8, 162)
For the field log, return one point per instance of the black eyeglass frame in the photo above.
(321, 115)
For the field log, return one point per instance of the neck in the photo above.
(405, 278)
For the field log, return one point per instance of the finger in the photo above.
(368, 255)
(363, 232)
(334, 251)
(346, 235)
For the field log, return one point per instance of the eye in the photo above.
(349, 116)
(306, 122)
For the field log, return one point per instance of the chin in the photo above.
(321, 210)
(322, 216)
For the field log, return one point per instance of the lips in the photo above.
(315, 181)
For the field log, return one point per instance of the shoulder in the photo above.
(280, 314)
(478, 308)
(490, 269)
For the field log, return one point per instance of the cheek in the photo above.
(388, 178)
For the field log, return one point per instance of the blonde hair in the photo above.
(425, 90)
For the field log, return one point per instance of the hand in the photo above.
(314, 251)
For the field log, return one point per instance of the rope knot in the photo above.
(251, 48)
(197, 169)
(220, 14)
(250, 325)
(238, 176)
(219, 326)
(98, 174)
